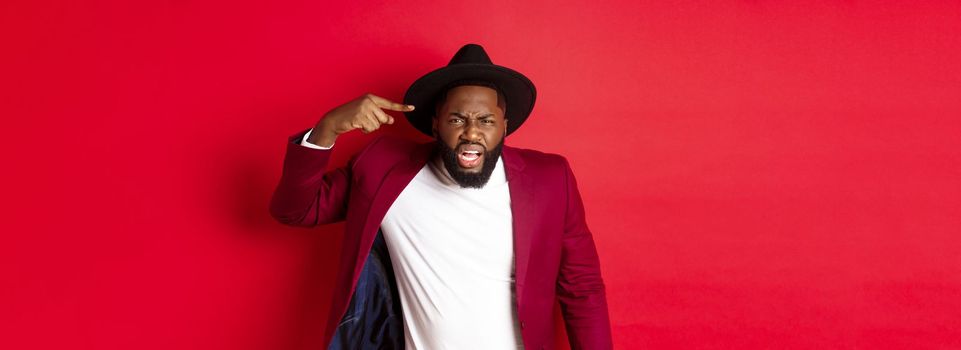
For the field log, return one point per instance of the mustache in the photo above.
(462, 143)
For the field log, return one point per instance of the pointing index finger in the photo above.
(391, 105)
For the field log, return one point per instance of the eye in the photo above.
(488, 121)
(456, 121)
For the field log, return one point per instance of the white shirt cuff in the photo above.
(308, 144)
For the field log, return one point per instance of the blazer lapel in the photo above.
(393, 184)
(522, 200)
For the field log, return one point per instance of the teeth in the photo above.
(469, 155)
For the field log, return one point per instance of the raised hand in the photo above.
(365, 113)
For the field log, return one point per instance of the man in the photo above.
(474, 238)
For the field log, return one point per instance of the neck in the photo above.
(436, 164)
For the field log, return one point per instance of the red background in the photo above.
(756, 175)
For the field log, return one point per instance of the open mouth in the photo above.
(470, 156)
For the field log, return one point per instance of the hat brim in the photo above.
(424, 92)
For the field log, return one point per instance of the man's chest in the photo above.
(472, 228)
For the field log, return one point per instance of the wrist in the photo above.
(322, 135)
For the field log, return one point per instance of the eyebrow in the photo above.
(458, 114)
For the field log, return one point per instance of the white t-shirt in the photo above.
(453, 255)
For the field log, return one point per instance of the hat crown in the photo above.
(470, 53)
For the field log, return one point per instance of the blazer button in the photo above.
(522, 324)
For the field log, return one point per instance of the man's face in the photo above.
(470, 130)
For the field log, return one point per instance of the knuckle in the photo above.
(367, 100)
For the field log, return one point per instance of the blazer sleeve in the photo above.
(308, 194)
(580, 288)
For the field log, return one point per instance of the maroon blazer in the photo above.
(555, 256)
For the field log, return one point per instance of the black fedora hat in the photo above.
(470, 63)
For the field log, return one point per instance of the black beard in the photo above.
(463, 178)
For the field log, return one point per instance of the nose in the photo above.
(472, 132)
